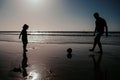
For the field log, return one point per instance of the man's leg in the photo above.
(99, 44)
(95, 43)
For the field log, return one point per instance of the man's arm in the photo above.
(94, 31)
(106, 31)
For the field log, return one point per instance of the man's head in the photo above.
(96, 15)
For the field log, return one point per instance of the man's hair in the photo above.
(96, 14)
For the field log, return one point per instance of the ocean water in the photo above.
(60, 37)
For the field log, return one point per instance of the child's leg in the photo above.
(24, 47)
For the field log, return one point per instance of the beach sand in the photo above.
(53, 62)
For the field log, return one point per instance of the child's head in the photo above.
(25, 27)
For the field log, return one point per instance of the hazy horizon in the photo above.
(57, 15)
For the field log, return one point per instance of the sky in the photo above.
(58, 15)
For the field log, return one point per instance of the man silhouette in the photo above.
(100, 24)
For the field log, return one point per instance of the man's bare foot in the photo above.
(91, 49)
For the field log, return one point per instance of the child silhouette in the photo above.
(24, 36)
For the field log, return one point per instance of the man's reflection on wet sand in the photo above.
(98, 72)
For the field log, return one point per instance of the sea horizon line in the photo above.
(57, 31)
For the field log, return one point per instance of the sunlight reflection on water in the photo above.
(33, 75)
(41, 39)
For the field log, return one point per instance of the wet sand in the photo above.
(53, 62)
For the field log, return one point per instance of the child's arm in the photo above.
(20, 35)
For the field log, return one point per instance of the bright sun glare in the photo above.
(37, 2)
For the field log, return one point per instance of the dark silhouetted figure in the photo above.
(24, 36)
(69, 55)
(99, 29)
(24, 64)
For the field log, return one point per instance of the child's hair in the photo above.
(25, 26)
